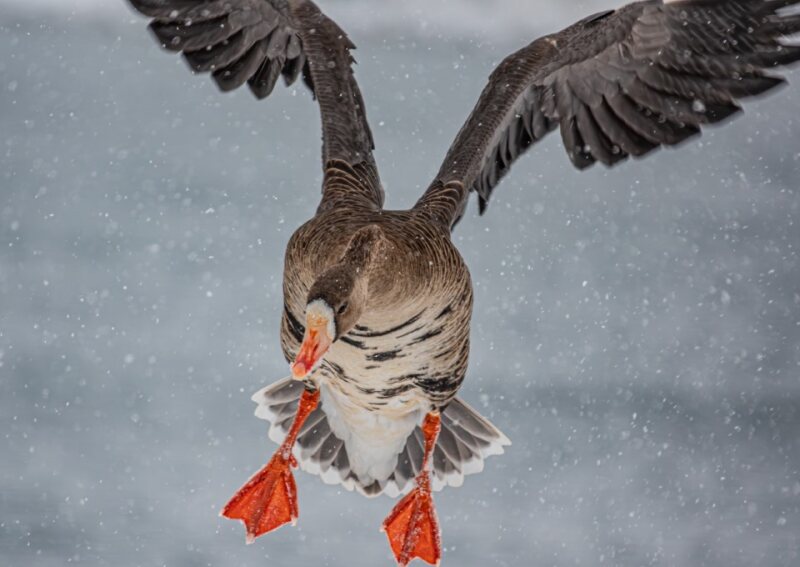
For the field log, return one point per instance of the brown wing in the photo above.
(617, 84)
(256, 42)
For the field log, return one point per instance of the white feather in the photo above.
(373, 441)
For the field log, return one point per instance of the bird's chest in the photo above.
(383, 370)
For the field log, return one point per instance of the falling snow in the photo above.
(636, 332)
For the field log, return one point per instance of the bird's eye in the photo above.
(343, 308)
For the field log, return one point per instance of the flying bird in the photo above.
(377, 303)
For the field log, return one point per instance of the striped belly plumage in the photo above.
(377, 383)
(377, 386)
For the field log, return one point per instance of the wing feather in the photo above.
(257, 41)
(617, 84)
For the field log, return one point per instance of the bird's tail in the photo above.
(466, 439)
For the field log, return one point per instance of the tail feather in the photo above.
(465, 441)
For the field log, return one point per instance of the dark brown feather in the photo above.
(619, 83)
(257, 41)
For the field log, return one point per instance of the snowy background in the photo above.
(636, 332)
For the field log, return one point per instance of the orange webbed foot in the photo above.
(268, 500)
(412, 527)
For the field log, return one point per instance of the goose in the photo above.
(377, 303)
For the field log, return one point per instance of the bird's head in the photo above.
(338, 298)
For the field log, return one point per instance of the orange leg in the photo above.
(412, 527)
(269, 499)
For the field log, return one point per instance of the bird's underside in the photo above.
(377, 303)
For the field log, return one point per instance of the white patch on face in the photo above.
(320, 308)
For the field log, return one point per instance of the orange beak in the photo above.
(316, 343)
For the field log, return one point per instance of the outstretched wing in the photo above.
(258, 41)
(617, 84)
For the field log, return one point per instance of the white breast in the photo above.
(374, 433)
(373, 439)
